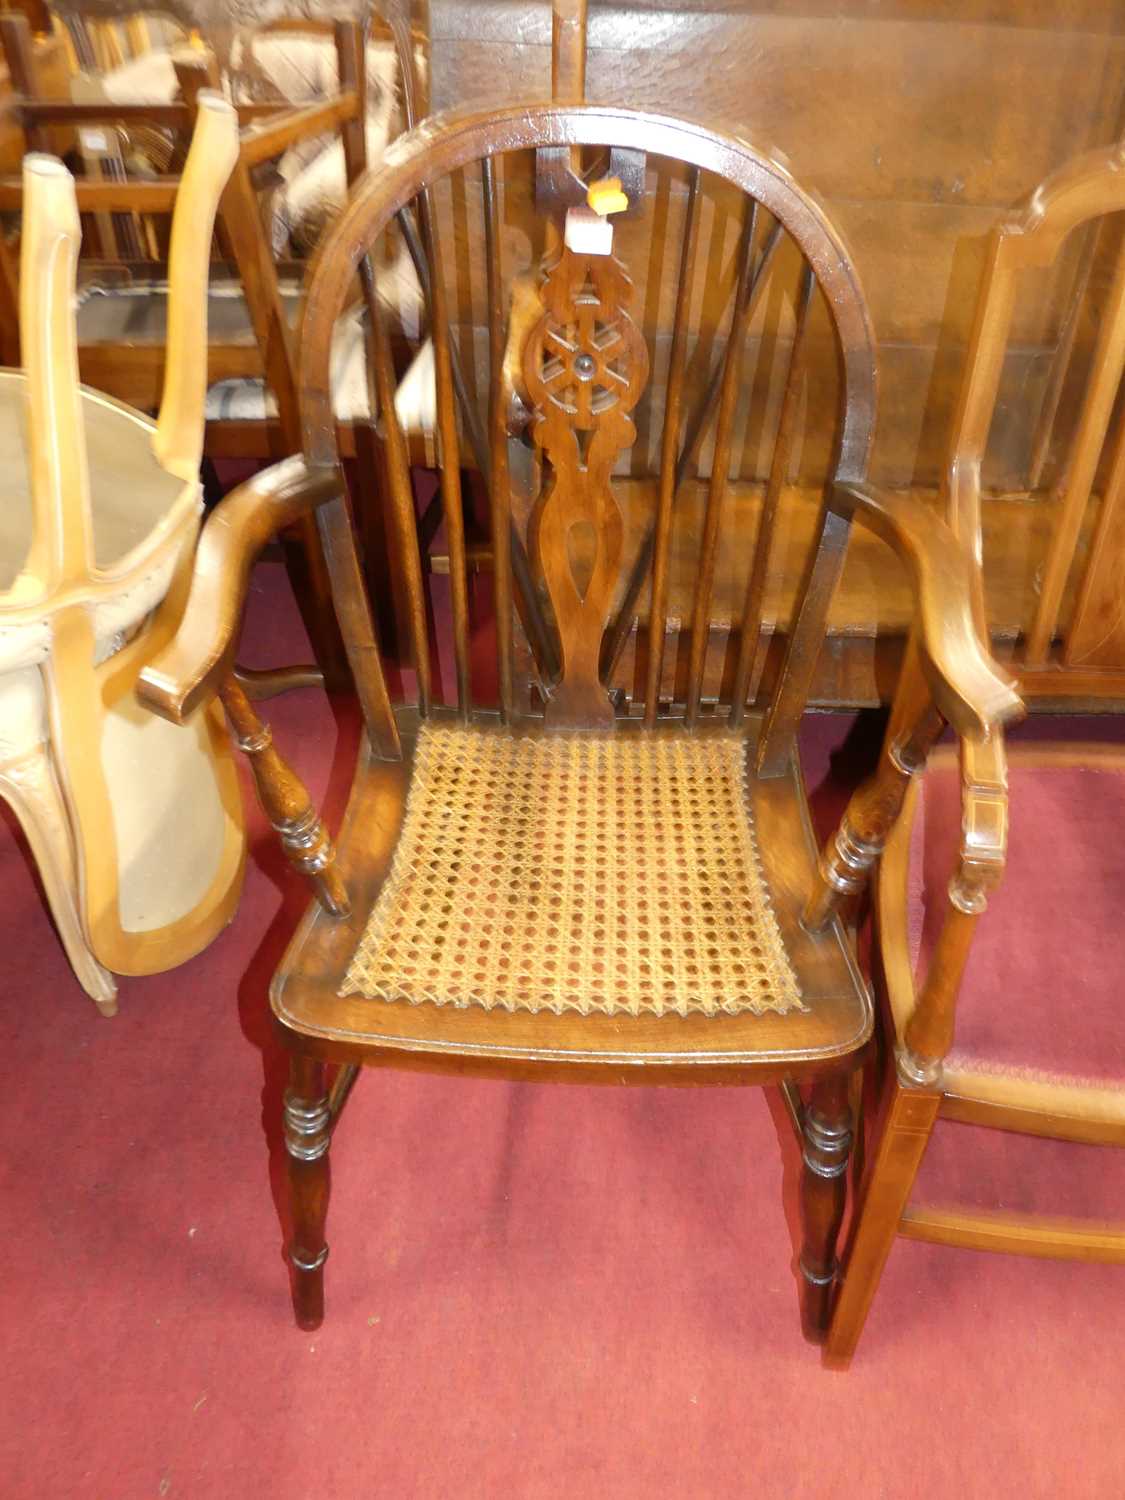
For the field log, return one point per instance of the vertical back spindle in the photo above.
(1097, 408)
(399, 489)
(658, 610)
(720, 465)
(751, 630)
(1094, 633)
(450, 455)
(1060, 360)
(499, 488)
(618, 633)
(531, 612)
(697, 425)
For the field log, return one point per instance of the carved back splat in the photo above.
(585, 367)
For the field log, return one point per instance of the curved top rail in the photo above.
(444, 143)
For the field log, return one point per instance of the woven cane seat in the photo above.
(615, 874)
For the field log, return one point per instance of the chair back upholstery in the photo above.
(579, 558)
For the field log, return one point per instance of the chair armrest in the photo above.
(969, 687)
(201, 653)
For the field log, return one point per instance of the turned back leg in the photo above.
(827, 1135)
(308, 1128)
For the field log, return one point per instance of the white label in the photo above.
(587, 233)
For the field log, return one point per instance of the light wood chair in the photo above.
(136, 827)
(252, 299)
(575, 892)
(986, 1058)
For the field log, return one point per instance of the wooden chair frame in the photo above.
(960, 681)
(922, 1089)
(1089, 663)
(60, 788)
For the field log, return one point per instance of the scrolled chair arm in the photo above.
(200, 656)
(948, 675)
(971, 690)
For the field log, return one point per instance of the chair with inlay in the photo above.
(136, 827)
(980, 1039)
(579, 890)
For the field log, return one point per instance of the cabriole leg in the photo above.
(824, 1185)
(308, 1127)
(29, 787)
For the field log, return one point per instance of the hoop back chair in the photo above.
(970, 1038)
(616, 891)
(138, 835)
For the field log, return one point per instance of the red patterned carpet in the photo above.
(533, 1291)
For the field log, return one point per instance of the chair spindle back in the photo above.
(585, 366)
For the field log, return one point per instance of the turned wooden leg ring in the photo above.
(308, 1131)
(846, 861)
(843, 870)
(827, 1145)
(306, 842)
(286, 802)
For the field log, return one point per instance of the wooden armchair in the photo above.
(980, 1038)
(570, 891)
(138, 835)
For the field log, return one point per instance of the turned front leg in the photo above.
(308, 1132)
(827, 1133)
(286, 802)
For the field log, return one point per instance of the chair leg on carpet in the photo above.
(824, 1185)
(902, 1144)
(308, 1131)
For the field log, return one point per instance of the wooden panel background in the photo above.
(917, 123)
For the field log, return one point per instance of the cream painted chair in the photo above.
(136, 826)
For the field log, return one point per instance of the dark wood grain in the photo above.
(585, 365)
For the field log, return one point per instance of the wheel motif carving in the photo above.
(585, 368)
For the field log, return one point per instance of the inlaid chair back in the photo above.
(1079, 619)
(586, 369)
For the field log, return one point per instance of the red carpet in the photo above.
(532, 1291)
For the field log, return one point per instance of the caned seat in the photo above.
(797, 994)
(570, 883)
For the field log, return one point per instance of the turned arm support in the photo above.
(968, 687)
(947, 675)
(200, 656)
